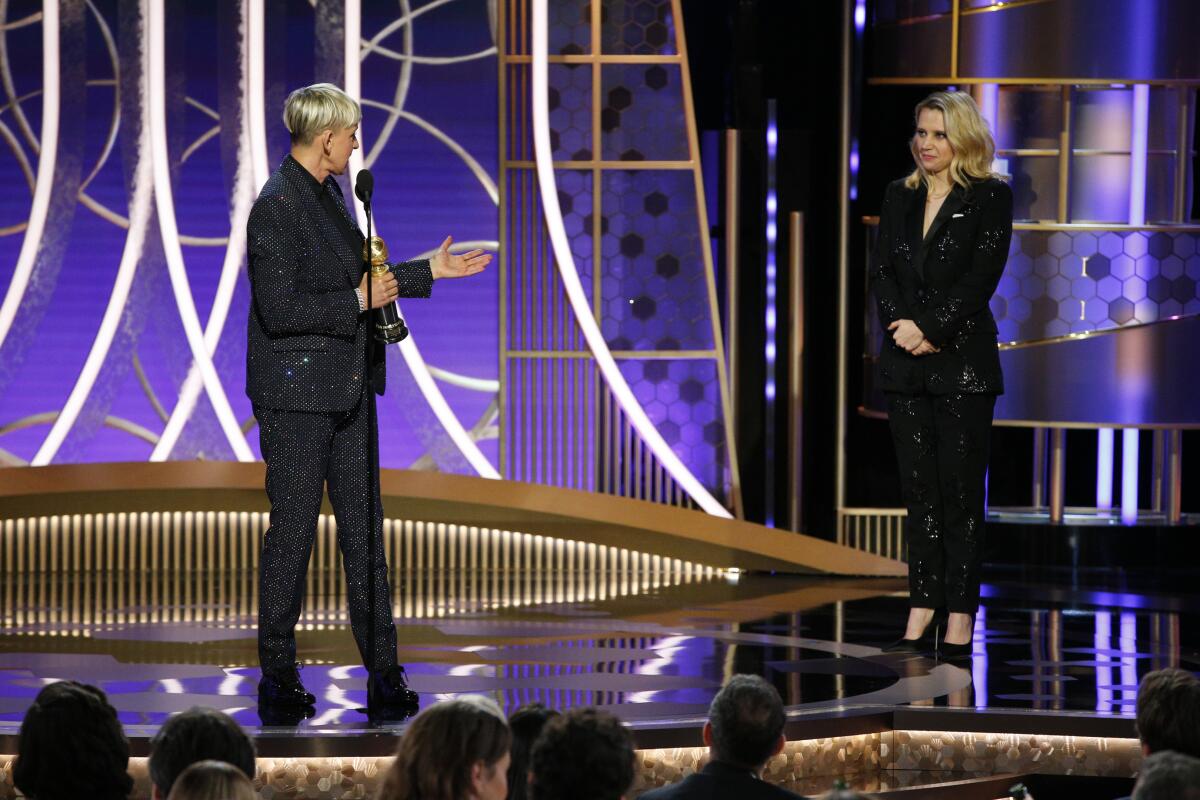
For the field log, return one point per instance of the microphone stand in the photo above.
(369, 376)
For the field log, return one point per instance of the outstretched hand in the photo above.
(445, 264)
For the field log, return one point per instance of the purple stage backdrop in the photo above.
(429, 90)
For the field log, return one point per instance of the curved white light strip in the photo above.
(476, 168)
(139, 217)
(570, 277)
(401, 95)
(153, 12)
(45, 177)
(251, 165)
(408, 348)
(254, 44)
(464, 381)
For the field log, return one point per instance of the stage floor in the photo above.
(651, 646)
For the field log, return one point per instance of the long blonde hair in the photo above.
(969, 138)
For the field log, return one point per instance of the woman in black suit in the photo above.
(944, 234)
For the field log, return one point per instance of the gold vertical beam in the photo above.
(843, 265)
(1064, 157)
(732, 179)
(502, 17)
(1058, 473)
(1183, 151)
(735, 486)
(599, 396)
(954, 22)
(796, 370)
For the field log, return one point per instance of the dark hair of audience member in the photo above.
(585, 754)
(198, 734)
(442, 747)
(212, 780)
(1168, 711)
(525, 723)
(747, 719)
(1167, 775)
(71, 745)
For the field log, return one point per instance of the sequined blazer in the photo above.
(943, 282)
(306, 343)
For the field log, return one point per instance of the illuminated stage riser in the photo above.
(870, 762)
(203, 567)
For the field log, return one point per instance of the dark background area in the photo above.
(743, 54)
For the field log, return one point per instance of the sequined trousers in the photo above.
(942, 445)
(304, 453)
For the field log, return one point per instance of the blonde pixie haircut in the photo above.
(969, 138)
(322, 106)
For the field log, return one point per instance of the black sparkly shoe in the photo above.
(388, 697)
(927, 642)
(282, 688)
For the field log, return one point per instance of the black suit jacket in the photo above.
(720, 781)
(942, 282)
(306, 346)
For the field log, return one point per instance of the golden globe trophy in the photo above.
(389, 327)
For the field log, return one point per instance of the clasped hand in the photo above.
(906, 334)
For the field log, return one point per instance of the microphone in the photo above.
(364, 186)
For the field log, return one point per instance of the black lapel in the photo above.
(950, 206)
(318, 218)
(914, 219)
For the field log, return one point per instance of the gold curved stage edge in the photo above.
(599, 519)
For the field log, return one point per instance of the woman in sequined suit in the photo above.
(944, 235)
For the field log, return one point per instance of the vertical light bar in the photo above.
(565, 262)
(1129, 475)
(1104, 469)
(47, 157)
(1128, 647)
(1102, 643)
(979, 658)
(860, 25)
(1138, 151)
(772, 233)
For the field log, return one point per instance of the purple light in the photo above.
(1138, 147)
(860, 15)
(1128, 648)
(772, 234)
(1104, 674)
(1104, 469)
(979, 658)
(1129, 476)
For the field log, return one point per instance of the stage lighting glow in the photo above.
(154, 14)
(408, 348)
(769, 349)
(565, 262)
(47, 157)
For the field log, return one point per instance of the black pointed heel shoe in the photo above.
(927, 642)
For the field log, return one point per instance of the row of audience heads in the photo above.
(71, 745)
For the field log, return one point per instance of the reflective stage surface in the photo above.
(160, 612)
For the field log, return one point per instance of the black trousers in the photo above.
(942, 445)
(304, 452)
